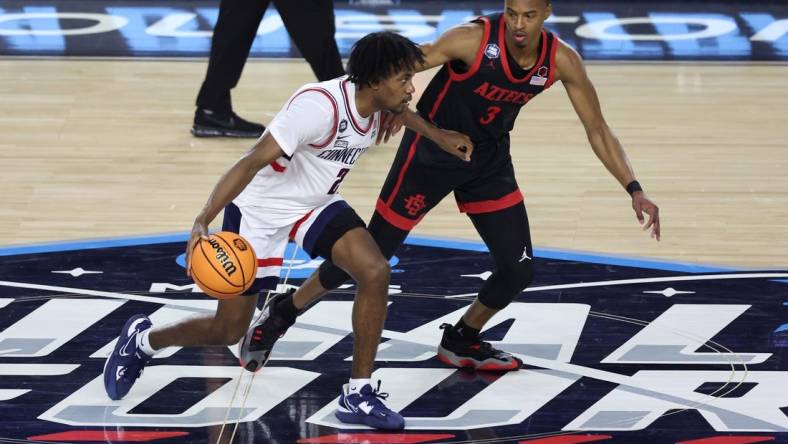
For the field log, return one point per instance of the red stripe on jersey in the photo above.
(438, 101)
(551, 76)
(270, 262)
(298, 225)
(459, 77)
(412, 148)
(278, 168)
(488, 206)
(505, 57)
(403, 223)
(411, 152)
(350, 111)
(336, 113)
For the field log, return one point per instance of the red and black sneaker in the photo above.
(456, 351)
(255, 348)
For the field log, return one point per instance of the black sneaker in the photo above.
(255, 348)
(455, 351)
(210, 124)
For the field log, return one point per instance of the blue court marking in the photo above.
(427, 241)
(569, 255)
(94, 243)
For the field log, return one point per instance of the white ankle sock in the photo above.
(354, 385)
(144, 344)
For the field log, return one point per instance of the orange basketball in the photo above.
(224, 266)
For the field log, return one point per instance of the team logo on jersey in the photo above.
(342, 125)
(415, 203)
(492, 51)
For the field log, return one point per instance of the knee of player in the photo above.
(519, 274)
(375, 272)
(331, 276)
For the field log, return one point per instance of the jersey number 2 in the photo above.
(340, 177)
(491, 113)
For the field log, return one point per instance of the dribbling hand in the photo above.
(199, 231)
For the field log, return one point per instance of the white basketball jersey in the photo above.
(323, 136)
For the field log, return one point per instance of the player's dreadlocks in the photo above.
(380, 55)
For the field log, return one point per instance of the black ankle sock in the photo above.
(467, 333)
(286, 309)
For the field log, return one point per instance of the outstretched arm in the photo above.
(606, 146)
(460, 42)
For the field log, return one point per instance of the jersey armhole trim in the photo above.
(553, 67)
(459, 77)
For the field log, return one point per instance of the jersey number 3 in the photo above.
(492, 111)
(340, 177)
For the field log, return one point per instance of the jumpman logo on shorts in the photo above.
(525, 254)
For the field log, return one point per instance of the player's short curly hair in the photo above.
(379, 55)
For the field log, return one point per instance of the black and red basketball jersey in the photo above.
(483, 100)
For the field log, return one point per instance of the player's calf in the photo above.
(258, 343)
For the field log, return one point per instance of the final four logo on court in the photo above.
(646, 351)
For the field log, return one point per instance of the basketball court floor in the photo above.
(626, 340)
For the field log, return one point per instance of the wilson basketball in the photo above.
(224, 266)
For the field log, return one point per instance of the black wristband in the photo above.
(633, 186)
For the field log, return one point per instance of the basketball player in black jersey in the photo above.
(492, 67)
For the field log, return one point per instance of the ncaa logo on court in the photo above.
(492, 51)
(615, 349)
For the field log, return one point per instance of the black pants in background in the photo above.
(310, 24)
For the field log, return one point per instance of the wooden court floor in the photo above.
(96, 148)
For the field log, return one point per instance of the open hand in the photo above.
(642, 204)
(390, 124)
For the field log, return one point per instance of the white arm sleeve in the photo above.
(309, 118)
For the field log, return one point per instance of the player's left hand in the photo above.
(199, 232)
(642, 204)
(390, 124)
(455, 143)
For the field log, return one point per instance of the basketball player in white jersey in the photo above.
(285, 187)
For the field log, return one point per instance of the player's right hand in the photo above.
(457, 144)
(390, 124)
(199, 231)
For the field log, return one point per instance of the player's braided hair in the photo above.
(379, 55)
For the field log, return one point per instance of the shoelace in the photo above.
(377, 395)
(480, 345)
(134, 370)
